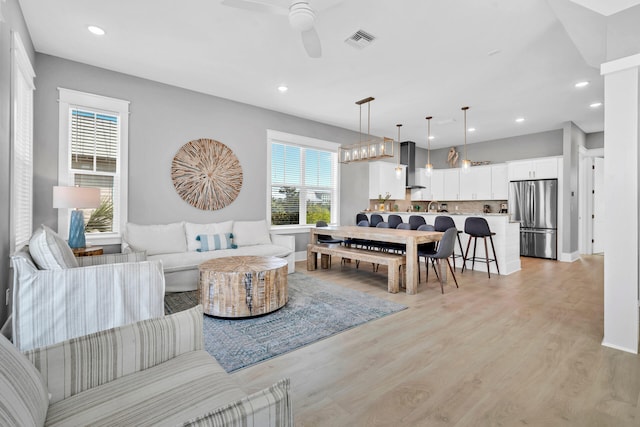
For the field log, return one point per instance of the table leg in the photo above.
(412, 264)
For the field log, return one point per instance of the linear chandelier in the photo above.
(371, 148)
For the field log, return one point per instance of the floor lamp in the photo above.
(76, 198)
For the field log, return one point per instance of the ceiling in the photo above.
(503, 58)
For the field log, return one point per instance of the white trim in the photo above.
(68, 98)
(617, 347)
(621, 64)
(569, 256)
(305, 141)
(291, 229)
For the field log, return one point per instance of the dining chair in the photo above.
(394, 220)
(361, 217)
(443, 252)
(375, 219)
(416, 221)
(327, 239)
(425, 247)
(443, 223)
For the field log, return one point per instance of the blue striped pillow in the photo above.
(213, 242)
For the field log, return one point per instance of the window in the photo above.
(303, 180)
(22, 88)
(93, 149)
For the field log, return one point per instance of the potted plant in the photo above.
(382, 200)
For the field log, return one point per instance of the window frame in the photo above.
(72, 99)
(21, 68)
(274, 136)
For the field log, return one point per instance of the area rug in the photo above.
(316, 310)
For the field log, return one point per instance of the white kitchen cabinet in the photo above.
(451, 184)
(543, 168)
(499, 182)
(437, 185)
(421, 178)
(475, 183)
(383, 180)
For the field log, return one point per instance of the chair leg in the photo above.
(426, 267)
(486, 254)
(433, 265)
(453, 274)
(466, 255)
(473, 260)
(442, 284)
(495, 258)
(461, 252)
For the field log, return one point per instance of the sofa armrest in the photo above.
(269, 407)
(284, 240)
(82, 363)
(112, 258)
(51, 306)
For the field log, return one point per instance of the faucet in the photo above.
(430, 203)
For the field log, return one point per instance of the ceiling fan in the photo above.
(301, 18)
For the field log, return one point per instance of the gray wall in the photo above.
(14, 21)
(594, 140)
(542, 144)
(162, 119)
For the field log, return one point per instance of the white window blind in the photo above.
(93, 139)
(303, 183)
(22, 145)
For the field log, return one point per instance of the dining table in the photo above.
(410, 238)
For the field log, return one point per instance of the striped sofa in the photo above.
(153, 372)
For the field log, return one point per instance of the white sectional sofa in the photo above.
(180, 251)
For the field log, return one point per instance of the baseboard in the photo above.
(617, 347)
(569, 256)
(301, 255)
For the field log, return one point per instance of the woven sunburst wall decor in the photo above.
(206, 174)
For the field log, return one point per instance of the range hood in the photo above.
(408, 158)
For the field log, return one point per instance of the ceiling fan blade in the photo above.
(311, 42)
(256, 6)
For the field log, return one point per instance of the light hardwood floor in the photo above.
(512, 350)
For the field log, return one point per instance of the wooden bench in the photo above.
(393, 261)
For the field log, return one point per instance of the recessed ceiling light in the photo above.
(96, 30)
(493, 52)
(595, 104)
(283, 88)
(582, 84)
(520, 120)
(432, 137)
(471, 129)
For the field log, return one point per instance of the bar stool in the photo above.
(477, 227)
(443, 223)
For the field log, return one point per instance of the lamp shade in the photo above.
(76, 197)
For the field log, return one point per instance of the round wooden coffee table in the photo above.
(243, 286)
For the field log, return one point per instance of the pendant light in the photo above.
(429, 167)
(398, 168)
(466, 163)
(371, 148)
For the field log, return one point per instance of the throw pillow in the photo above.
(192, 230)
(50, 251)
(248, 233)
(156, 239)
(24, 399)
(214, 242)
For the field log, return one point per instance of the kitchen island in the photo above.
(506, 240)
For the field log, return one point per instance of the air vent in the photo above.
(360, 39)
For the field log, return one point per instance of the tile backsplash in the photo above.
(459, 206)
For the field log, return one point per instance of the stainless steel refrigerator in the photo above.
(534, 203)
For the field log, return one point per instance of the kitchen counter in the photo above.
(506, 240)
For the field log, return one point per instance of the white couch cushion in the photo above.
(50, 251)
(192, 230)
(23, 395)
(191, 260)
(157, 238)
(248, 233)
